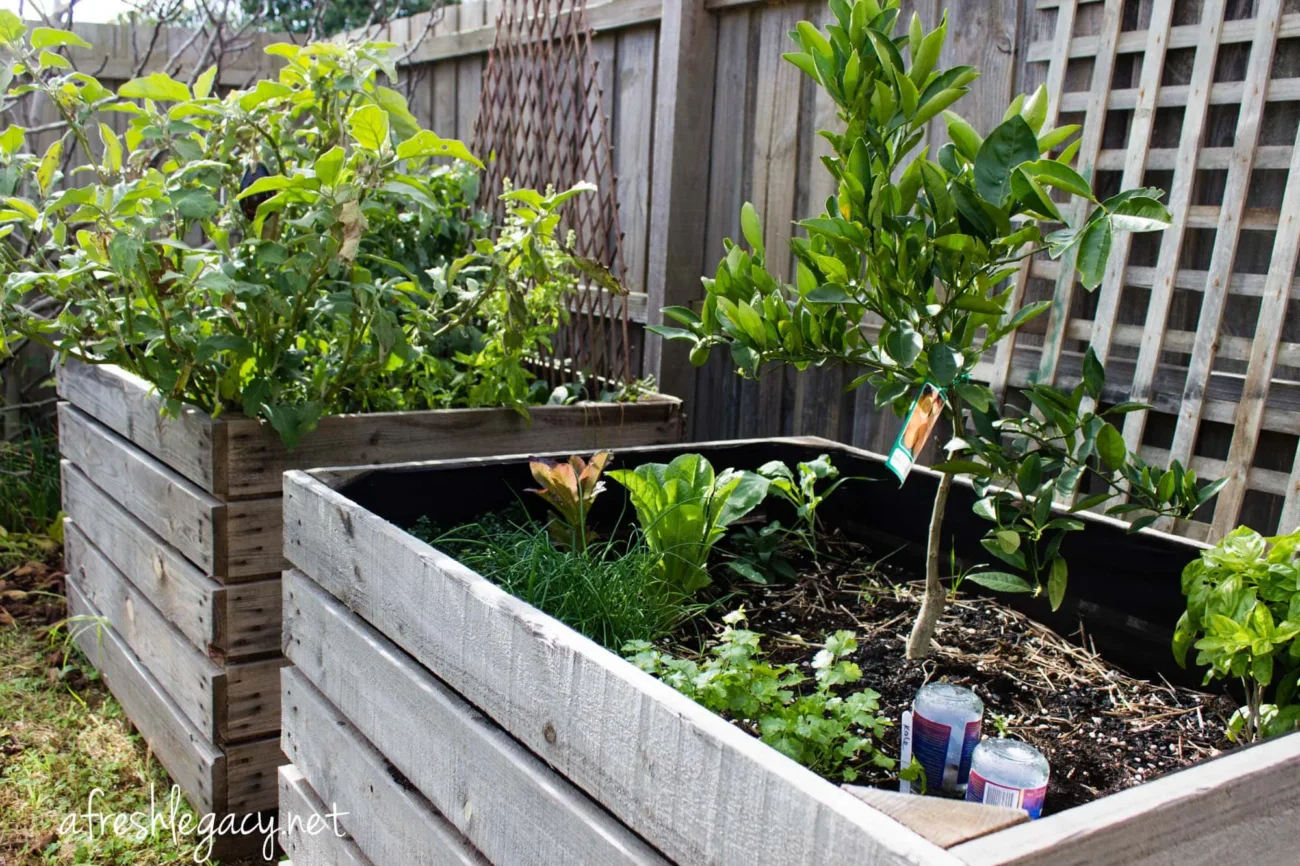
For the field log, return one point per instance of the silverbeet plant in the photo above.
(925, 244)
(684, 508)
(827, 732)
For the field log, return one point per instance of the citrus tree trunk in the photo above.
(919, 643)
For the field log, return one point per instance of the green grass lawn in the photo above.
(63, 736)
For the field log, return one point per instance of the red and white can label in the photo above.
(981, 790)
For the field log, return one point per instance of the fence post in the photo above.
(680, 176)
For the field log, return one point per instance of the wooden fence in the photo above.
(1199, 97)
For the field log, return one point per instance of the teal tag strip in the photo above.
(917, 430)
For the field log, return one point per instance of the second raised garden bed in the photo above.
(421, 689)
(174, 538)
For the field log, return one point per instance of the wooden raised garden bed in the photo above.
(454, 721)
(174, 536)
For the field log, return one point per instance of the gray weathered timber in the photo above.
(190, 678)
(257, 458)
(511, 806)
(176, 509)
(1240, 808)
(193, 763)
(391, 822)
(189, 443)
(250, 775)
(298, 804)
(229, 622)
(227, 703)
(679, 775)
(239, 458)
(189, 599)
(227, 540)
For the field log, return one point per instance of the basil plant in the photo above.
(925, 244)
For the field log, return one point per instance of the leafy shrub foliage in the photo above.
(285, 251)
(1243, 618)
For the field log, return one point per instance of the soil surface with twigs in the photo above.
(1101, 730)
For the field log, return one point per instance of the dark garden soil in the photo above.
(1101, 730)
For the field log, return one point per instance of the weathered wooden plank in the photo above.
(190, 600)
(246, 457)
(1209, 813)
(190, 443)
(944, 822)
(658, 761)
(189, 677)
(227, 703)
(197, 766)
(311, 832)
(229, 622)
(237, 540)
(774, 170)
(633, 122)
(1166, 158)
(389, 820)
(507, 803)
(251, 529)
(257, 457)
(251, 617)
(1228, 231)
(171, 506)
(683, 109)
(1221, 93)
(251, 775)
(252, 707)
(1259, 372)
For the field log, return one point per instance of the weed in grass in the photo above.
(610, 592)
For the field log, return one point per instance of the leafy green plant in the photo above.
(817, 727)
(283, 251)
(611, 591)
(570, 488)
(801, 492)
(684, 508)
(1243, 617)
(906, 272)
(758, 555)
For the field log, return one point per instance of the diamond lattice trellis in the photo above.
(541, 123)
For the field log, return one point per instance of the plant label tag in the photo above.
(917, 427)
(905, 750)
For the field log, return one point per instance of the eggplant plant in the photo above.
(926, 244)
(285, 251)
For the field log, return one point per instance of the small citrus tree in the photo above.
(926, 245)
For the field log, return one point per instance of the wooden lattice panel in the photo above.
(541, 123)
(1198, 97)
